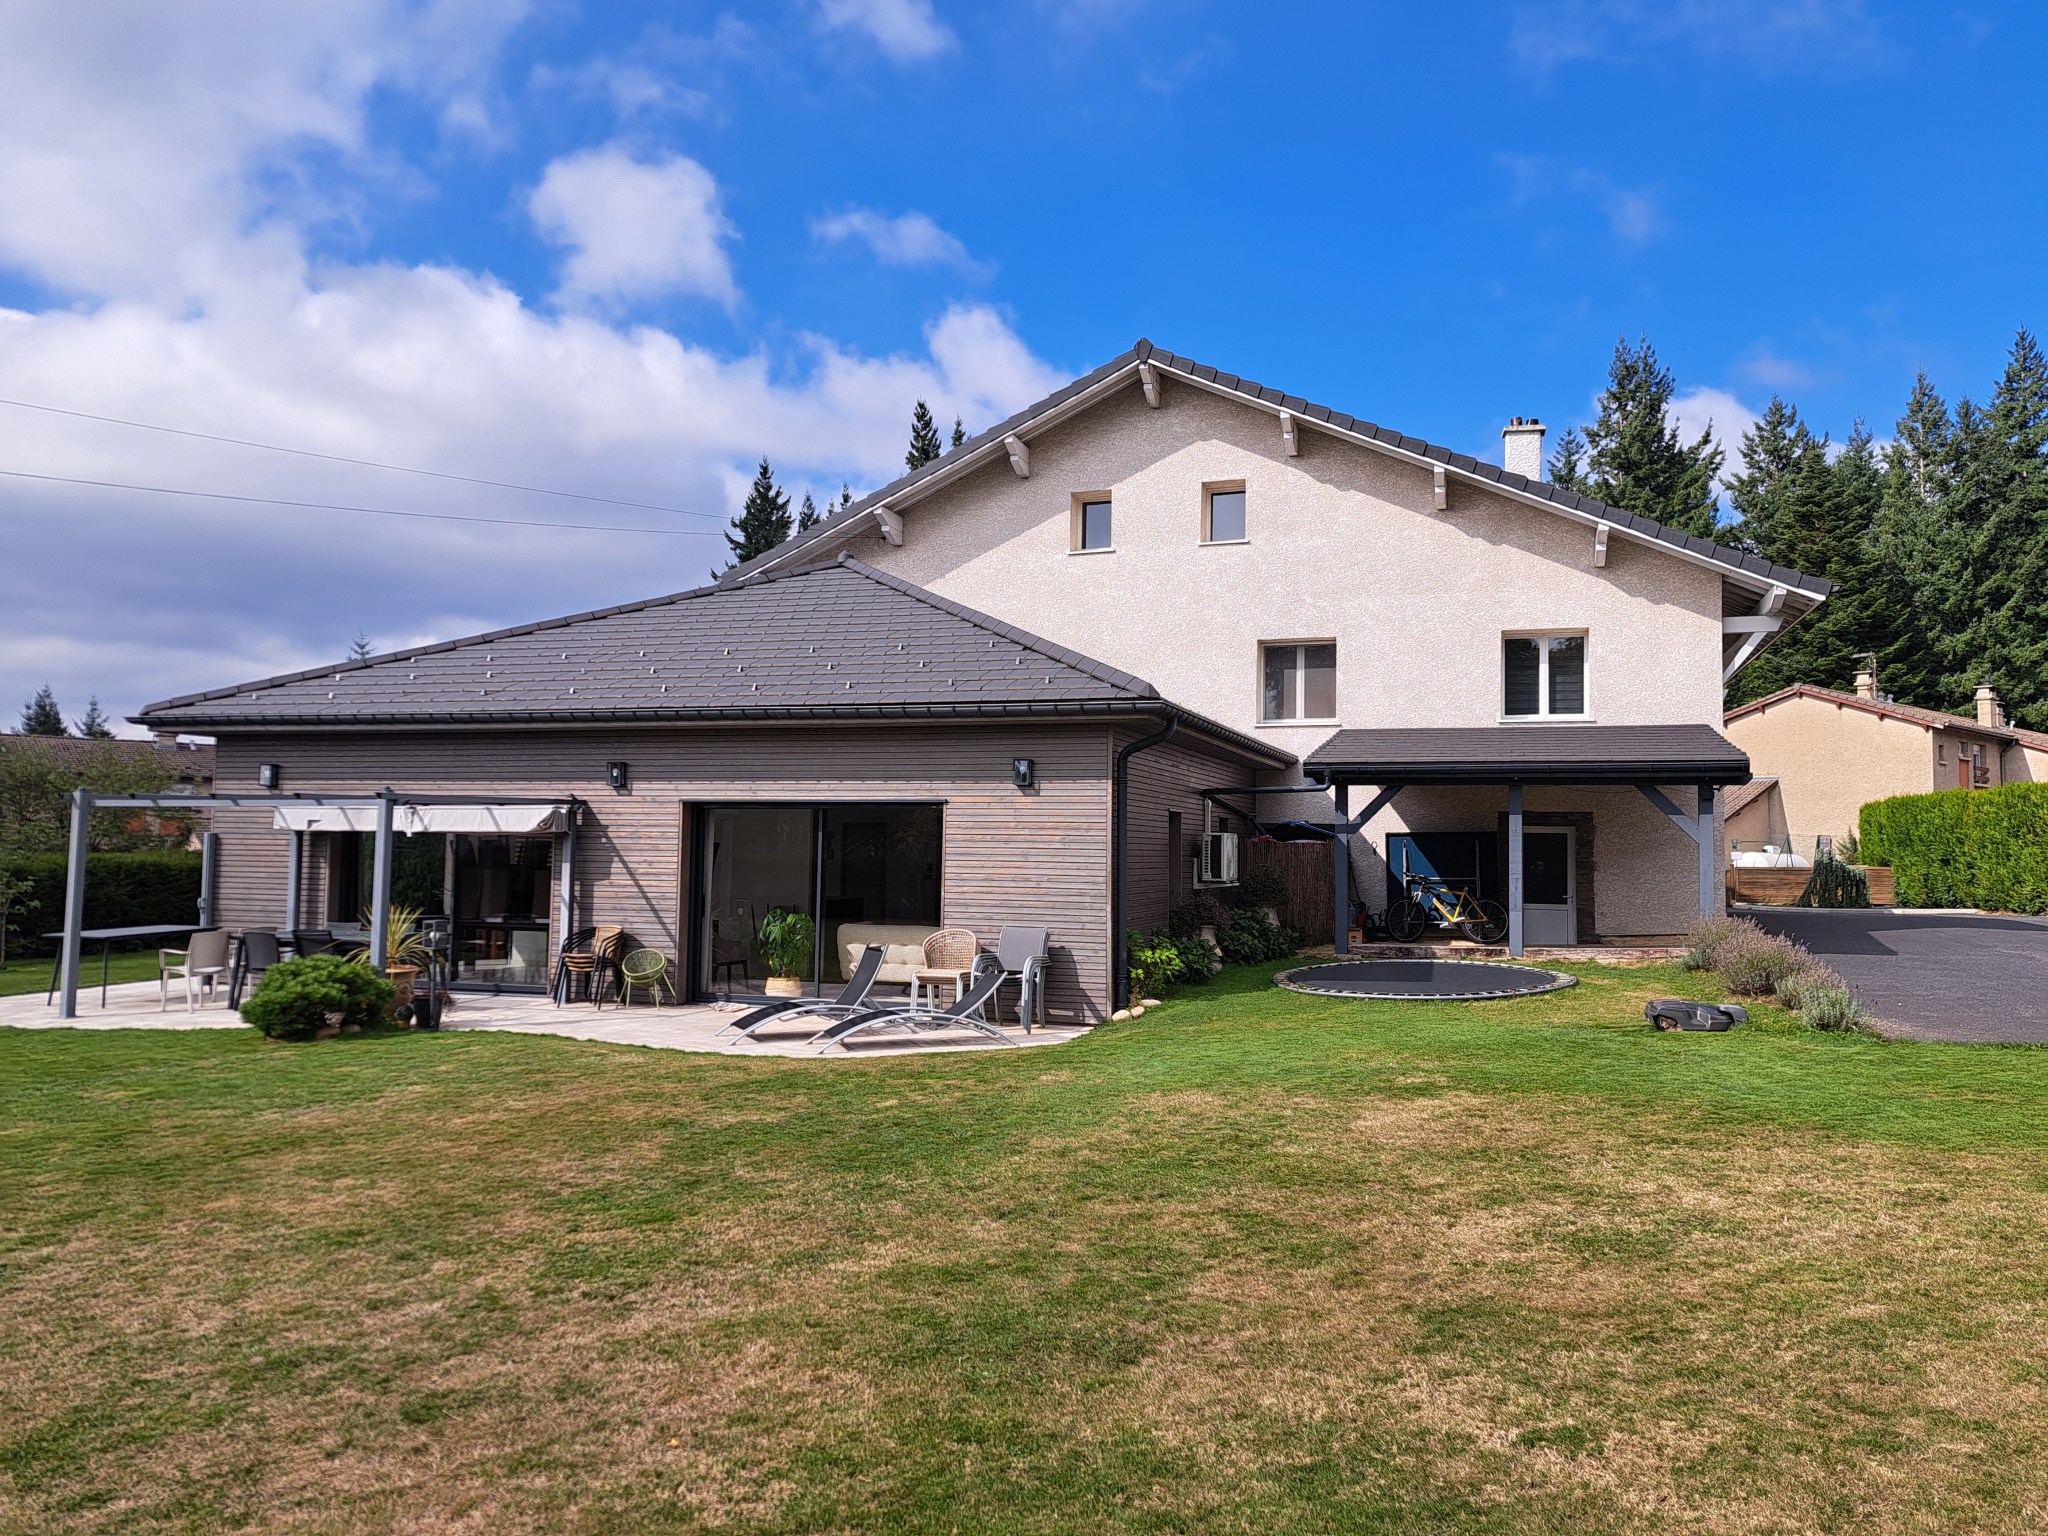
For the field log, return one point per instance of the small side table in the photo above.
(957, 980)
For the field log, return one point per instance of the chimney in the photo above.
(165, 740)
(1522, 448)
(1866, 683)
(1989, 711)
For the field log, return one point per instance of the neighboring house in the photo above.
(1293, 572)
(841, 724)
(191, 766)
(1827, 754)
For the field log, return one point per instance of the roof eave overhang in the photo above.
(1668, 771)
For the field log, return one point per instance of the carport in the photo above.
(1650, 757)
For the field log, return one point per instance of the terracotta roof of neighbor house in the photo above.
(1932, 719)
(192, 764)
(1531, 754)
(986, 445)
(1746, 794)
(835, 641)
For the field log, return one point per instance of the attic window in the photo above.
(1091, 529)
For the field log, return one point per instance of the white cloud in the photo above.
(1635, 215)
(635, 229)
(909, 240)
(1701, 410)
(905, 30)
(1771, 34)
(221, 322)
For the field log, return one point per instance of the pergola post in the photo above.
(74, 903)
(380, 885)
(295, 876)
(1708, 904)
(565, 883)
(1340, 856)
(1515, 870)
(209, 877)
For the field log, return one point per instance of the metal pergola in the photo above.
(385, 801)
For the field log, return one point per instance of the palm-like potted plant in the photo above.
(788, 942)
(405, 950)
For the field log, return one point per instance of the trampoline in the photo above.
(1439, 980)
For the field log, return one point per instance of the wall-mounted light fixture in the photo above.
(1023, 772)
(269, 775)
(615, 775)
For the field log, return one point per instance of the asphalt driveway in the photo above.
(1932, 975)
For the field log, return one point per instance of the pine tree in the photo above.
(807, 517)
(924, 438)
(94, 723)
(359, 648)
(763, 522)
(959, 432)
(40, 716)
(845, 496)
(1772, 451)
(1634, 457)
(1918, 550)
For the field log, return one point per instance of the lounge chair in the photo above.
(1021, 957)
(962, 1015)
(852, 999)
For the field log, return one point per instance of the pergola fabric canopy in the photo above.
(1530, 754)
(423, 818)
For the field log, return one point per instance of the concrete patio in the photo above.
(134, 1005)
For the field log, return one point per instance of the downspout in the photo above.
(1120, 978)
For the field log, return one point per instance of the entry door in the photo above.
(1550, 910)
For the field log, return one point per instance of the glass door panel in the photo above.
(501, 887)
(756, 861)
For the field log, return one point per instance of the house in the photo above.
(190, 768)
(1822, 755)
(1025, 682)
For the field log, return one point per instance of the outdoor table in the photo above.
(106, 936)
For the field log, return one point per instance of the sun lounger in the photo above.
(852, 999)
(964, 1014)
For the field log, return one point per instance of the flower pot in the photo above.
(785, 986)
(401, 977)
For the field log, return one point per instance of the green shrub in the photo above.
(1187, 920)
(1705, 938)
(1253, 938)
(122, 890)
(296, 998)
(1834, 884)
(1963, 848)
(1255, 888)
(1751, 962)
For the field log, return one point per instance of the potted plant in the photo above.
(788, 942)
(405, 951)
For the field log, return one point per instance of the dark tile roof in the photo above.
(1531, 754)
(839, 640)
(1733, 559)
(192, 764)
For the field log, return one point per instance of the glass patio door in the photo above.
(757, 860)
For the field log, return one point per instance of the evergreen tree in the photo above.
(1633, 457)
(807, 516)
(845, 496)
(959, 432)
(924, 438)
(1918, 552)
(359, 648)
(94, 723)
(40, 716)
(1772, 451)
(763, 522)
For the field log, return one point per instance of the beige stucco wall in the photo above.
(1344, 545)
(1833, 759)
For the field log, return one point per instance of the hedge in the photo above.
(1963, 848)
(122, 890)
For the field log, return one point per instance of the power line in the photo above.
(324, 506)
(336, 458)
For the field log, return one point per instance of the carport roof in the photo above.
(1530, 754)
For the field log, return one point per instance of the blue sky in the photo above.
(628, 249)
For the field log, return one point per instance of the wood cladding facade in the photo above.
(1035, 856)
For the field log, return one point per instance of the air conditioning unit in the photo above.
(1219, 859)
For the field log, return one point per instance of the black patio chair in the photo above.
(922, 1020)
(313, 941)
(852, 999)
(257, 953)
(1021, 956)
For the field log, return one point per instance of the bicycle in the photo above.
(1430, 899)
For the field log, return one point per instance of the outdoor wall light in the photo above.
(269, 775)
(1023, 772)
(615, 775)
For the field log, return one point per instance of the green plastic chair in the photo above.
(647, 969)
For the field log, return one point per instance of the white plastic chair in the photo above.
(202, 963)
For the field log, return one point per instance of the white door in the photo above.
(1550, 909)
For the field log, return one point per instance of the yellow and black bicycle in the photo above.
(1432, 900)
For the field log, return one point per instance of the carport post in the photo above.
(380, 884)
(1340, 845)
(294, 877)
(1707, 903)
(1515, 870)
(74, 903)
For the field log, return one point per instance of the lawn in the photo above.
(1255, 1262)
(33, 975)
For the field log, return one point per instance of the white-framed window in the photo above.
(1543, 676)
(1223, 516)
(1298, 682)
(1092, 526)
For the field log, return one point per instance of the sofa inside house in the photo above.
(903, 948)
